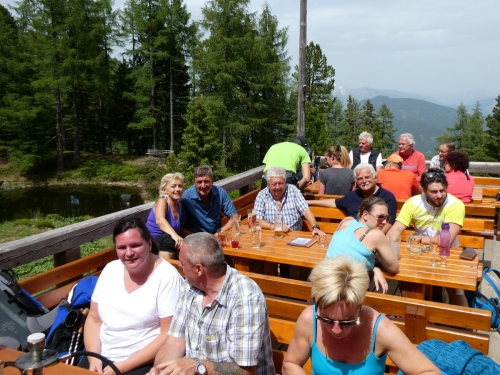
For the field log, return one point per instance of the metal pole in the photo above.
(301, 103)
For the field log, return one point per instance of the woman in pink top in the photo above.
(460, 183)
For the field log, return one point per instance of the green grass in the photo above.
(17, 229)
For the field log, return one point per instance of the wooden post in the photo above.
(415, 322)
(67, 256)
(301, 101)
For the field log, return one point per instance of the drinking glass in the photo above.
(415, 241)
(250, 220)
(236, 225)
(256, 233)
(278, 225)
(433, 249)
(395, 244)
(323, 241)
(222, 237)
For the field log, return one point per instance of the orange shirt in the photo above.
(401, 183)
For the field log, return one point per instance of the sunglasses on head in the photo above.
(341, 323)
(431, 175)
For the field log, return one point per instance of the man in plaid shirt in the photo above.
(279, 196)
(221, 324)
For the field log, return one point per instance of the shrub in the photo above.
(54, 217)
(22, 222)
(45, 223)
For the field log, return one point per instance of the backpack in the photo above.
(66, 332)
(17, 309)
(480, 301)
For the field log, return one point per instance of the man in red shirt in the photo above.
(413, 160)
(401, 183)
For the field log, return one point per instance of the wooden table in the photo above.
(8, 355)
(313, 188)
(415, 272)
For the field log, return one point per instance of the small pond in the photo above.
(69, 201)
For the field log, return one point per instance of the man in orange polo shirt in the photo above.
(401, 183)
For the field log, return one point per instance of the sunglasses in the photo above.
(381, 217)
(341, 323)
(431, 175)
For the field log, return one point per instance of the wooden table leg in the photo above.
(412, 290)
(270, 269)
(241, 264)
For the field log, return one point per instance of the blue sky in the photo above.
(437, 48)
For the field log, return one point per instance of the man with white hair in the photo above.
(366, 182)
(364, 153)
(413, 160)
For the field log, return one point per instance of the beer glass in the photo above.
(278, 225)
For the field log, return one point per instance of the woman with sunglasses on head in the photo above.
(341, 336)
(363, 239)
(338, 179)
(460, 183)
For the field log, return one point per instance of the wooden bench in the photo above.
(287, 298)
(157, 153)
(243, 204)
(419, 320)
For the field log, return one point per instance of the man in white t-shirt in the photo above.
(365, 154)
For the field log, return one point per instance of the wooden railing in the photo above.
(64, 242)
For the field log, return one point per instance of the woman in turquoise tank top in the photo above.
(344, 337)
(364, 239)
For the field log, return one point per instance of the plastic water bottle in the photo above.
(444, 243)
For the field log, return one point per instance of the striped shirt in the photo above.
(233, 328)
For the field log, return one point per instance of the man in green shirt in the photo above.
(290, 156)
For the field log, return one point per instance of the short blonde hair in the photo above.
(339, 279)
(166, 180)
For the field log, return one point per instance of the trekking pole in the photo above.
(85, 312)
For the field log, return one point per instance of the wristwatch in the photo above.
(316, 226)
(200, 367)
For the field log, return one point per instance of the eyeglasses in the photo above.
(380, 217)
(341, 323)
(431, 175)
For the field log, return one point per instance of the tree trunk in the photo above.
(171, 104)
(59, 132)
(76, 127)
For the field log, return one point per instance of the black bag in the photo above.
(16, 307)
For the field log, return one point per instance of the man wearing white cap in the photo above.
(401, 183)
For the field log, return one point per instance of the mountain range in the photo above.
(423, 116)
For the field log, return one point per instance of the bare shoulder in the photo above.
(345, 222)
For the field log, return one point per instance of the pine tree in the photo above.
(272, 123)
(493, 132)
(383, 139)
(159, 33)
(225, 67)
(201, 143)
(454, 134)
(352, 122)
(319, 99)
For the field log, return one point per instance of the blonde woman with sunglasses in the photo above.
(341, 336)
(363, 239)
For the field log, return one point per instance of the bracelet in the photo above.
(316, 226)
